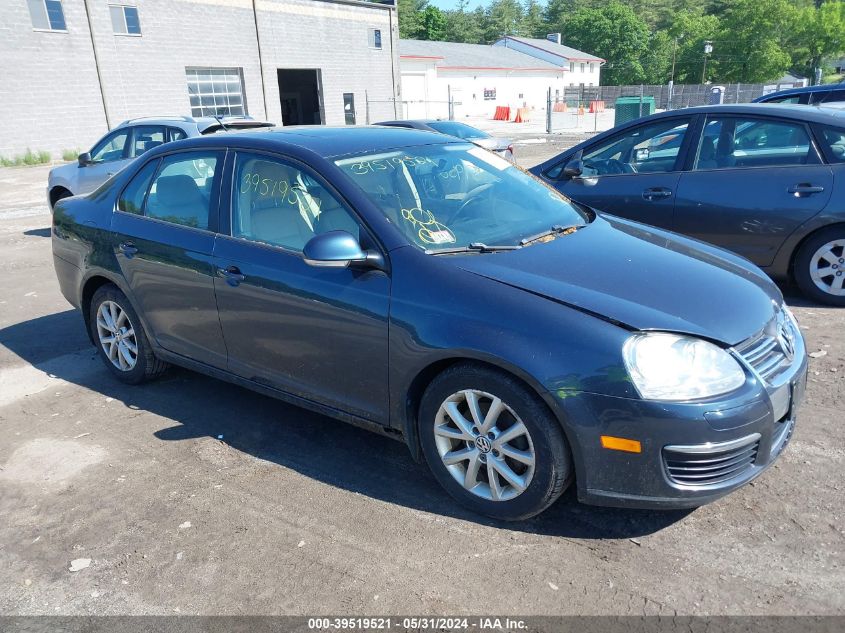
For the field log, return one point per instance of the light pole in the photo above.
(708, 48)
(672, 77)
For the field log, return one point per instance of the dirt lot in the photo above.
(190, 495)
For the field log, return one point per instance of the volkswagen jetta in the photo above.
(423, 287)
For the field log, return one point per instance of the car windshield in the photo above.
(459, 130)
(447, 196)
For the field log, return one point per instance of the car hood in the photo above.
(63, 172)
(641, 278)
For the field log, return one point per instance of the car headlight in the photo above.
(667, 366)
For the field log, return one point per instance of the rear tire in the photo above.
(509, 460)
(120, 339)
(820, 267)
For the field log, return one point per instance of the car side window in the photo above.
(177, 135)
(831, 96)
(648, 148)
(277, 203)
(834, 141)
(144, 138)
(183, 189)
(729, 142)
(132, 198)
(111, 148)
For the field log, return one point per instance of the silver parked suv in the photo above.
(126, 142)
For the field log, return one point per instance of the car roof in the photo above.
(804, 90)
(328, 142)
(201, 123)
(816, 114)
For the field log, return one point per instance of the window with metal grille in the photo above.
(216, 91)
(47, 15)
(124, 20)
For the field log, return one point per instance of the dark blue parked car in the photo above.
(426, 288)
(825, 94)
(765, 181)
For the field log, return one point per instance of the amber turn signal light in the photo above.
(621, 444)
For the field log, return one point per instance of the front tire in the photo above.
(121, 343)
(492, 443)
(820, 267)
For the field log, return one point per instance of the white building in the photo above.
(72, 69)
(515, 72)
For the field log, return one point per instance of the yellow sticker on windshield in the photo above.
(429, 230)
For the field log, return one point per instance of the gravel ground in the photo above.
(192, 496)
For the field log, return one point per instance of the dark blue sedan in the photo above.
(425, 288)
(766, 181)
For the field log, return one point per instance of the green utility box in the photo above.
(630, 108)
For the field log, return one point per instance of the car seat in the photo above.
(178, 197)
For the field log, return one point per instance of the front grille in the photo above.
(709, 464)
(770, 353)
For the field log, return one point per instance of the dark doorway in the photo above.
(300, 94)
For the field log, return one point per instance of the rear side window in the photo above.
(146, 137)
(177, 135)
(133, 196)
(831, 96)
(730, 142)
(834, 142)
(182, 191)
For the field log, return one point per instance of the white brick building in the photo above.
(74, 68)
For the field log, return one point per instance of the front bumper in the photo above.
(692, 453)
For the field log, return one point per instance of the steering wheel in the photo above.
(473, 196)
(615, 166)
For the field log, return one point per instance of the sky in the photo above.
(453, 4)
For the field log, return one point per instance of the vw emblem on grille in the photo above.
(483, 444)
(786, 340)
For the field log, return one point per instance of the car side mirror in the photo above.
(84, 159)
(339, 249)
(573, 169)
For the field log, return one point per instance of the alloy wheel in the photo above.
(827, 268)
(484, 445)
(117, 336)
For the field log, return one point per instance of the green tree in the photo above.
(820, 34)
(503, 17)
(533, 23)
(689, 31)
(433, 24)
(410, 18)
(462, 25)
(615, 33)
(751, 46)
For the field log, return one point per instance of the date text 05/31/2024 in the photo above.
(416, 623)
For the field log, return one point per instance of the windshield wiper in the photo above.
(557, 229)
(474, 247)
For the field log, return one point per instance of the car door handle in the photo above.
(232, 275)
(805, 189)
(657, 193)
(128, 249)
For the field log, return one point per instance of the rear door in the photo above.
(633, 174)
(163, 233)
(754, 180)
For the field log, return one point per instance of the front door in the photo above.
(633, 174)
(108, 157)
(318, 333)
(754, 181)
(163, 239)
